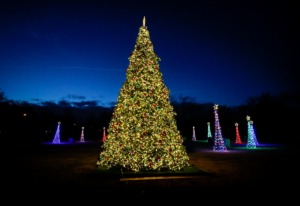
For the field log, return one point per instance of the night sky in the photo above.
(211, 51)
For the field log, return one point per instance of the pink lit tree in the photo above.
(194, 134)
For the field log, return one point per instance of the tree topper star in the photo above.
(248, 118)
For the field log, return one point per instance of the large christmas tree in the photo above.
(142, 133)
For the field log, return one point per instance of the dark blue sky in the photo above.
(211, 51)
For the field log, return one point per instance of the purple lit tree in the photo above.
(56, 139)
(219, 144)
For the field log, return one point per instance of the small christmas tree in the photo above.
(82, 135)
(208, 131)
(142, 133)
(237, 134)
(56, 138)
(250, 141)
(219, 144)
(253, 133)
(194, 134)
(104, 135)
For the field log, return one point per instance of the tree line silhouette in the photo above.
(274, 117)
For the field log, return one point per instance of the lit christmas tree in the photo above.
(219, 144)
(82, 135)
(250, 141)
(142, 133)
(194, 134)
(56, 139)
(208, 130)
(253, 133)
(237, 134)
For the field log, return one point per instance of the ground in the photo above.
(68, 170)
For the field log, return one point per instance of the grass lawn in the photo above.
(70, 170)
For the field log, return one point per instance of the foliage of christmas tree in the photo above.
(142, 133)
(219, 144)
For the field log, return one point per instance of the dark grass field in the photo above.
(268, 174)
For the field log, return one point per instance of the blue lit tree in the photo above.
(253, 133)
(250, 141)
(219, 144)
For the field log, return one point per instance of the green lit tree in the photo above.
(142, 133)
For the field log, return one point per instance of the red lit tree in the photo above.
(104, 135)
(237, 134)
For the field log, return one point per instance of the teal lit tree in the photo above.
(142, 133)
(56, 139)
(237, 134)
(250, 141)
(219, 144)
(209, 135)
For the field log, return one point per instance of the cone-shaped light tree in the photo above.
(194, 134)
(251, 143)
(237, 134)
(56, 138)
(209, 135)
(142, 133)
(253, 133)
(219, 144)
(104, 135)
(82, 135)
